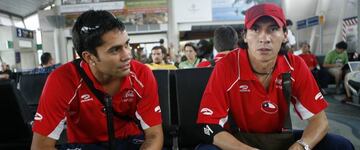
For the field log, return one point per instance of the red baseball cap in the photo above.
(264, 9)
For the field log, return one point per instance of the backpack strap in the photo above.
(286, 87)
(106, 100)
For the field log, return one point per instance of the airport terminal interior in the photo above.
(36, 38)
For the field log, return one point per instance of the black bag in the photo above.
(272, 141)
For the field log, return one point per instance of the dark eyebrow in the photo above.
(275, 25)
(119, 46)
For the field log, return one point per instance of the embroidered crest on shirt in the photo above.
(269, 107)
(128, 96)
(244, 88)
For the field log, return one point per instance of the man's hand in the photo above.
(296, 146)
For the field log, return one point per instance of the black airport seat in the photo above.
(15, 129)
(190, 85)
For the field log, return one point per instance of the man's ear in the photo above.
(285, 37)
(244, 37)
(87, 56)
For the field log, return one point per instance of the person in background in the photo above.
(204, 50)
(309, 58)
(191, 57)
(291, 38)
(225, 40)
(47, 64)
(128, 88)
(5, 73)
(334, 61)
(159, 61)
(247, 84)
(353, 77)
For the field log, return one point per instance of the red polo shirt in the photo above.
(205, 64)
(67, 99)
(310, 60)
(234, 87)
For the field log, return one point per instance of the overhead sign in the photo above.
(313, 21)
(23, 33)
(301, 24)
(92, 6)
(309, 22)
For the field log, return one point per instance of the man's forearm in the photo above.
(316, 130)
(152, 142)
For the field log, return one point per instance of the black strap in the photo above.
(212, 62)
(99, 94)
(286, 86)
(106, 100)
(287, 127)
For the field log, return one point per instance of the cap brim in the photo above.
(251, 22)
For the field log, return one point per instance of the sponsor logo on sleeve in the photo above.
(319, 96)
(157, 109)
(38, 116)
(206, 111)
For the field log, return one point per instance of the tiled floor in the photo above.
(344, 119)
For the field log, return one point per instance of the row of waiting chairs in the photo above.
(180, 92)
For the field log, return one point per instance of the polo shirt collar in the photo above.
(282, 66)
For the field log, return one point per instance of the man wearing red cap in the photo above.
(248, 84)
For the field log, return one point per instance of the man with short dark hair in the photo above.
(225, 40)
(335, 60)
(101, 97)
(47, 64)
(46, 60)
(248, 84)
(158, 57)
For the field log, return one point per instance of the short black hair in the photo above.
(225, 38)
(289, 22)
(191, 45)
(341, 45)
(163, 49)
(90, 27)
(304, 43)
(45, 58)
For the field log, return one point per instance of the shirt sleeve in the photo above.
(50, 117)
(148, 109)
(327, 58)
(214, 103)
(307, 98)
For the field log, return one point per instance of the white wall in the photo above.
(5, 36)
